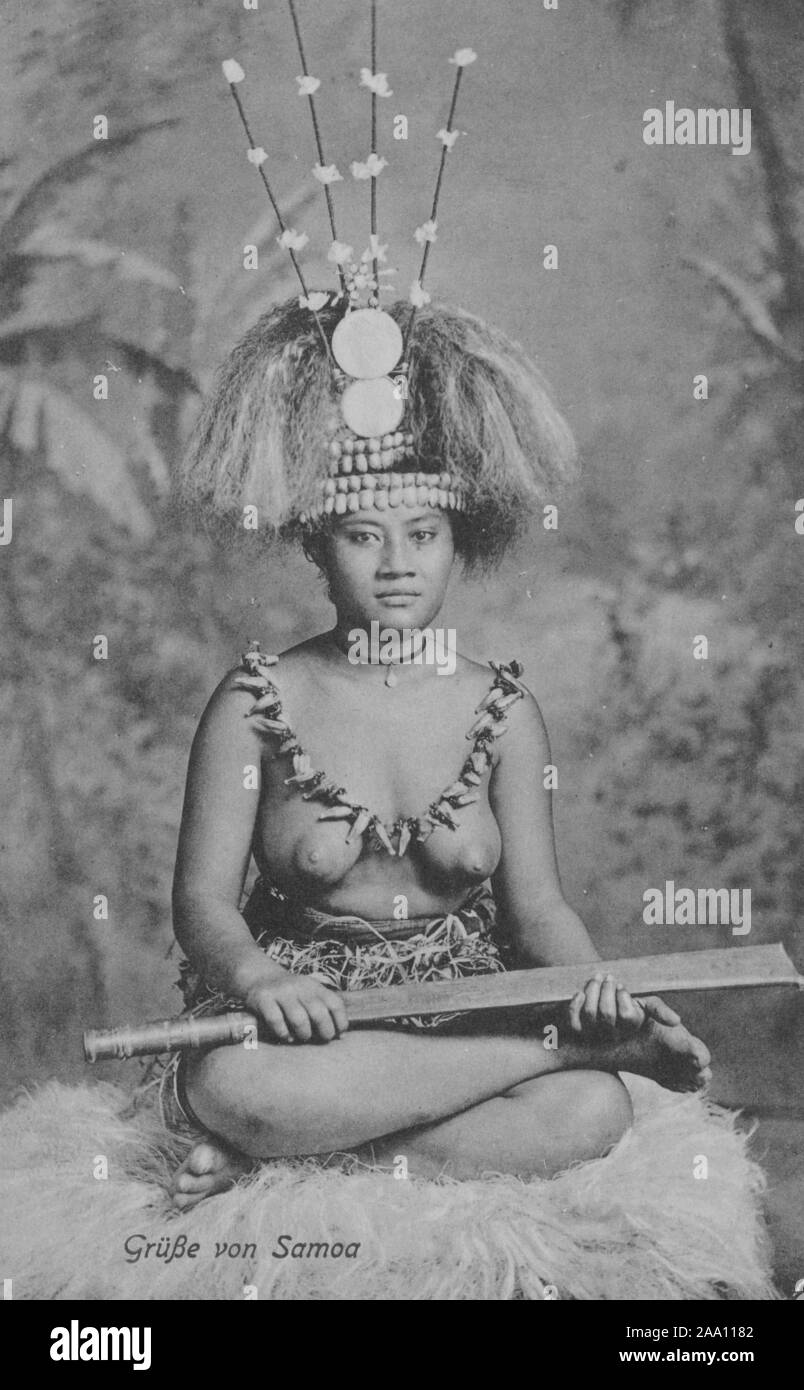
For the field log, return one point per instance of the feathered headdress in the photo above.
(331, 404)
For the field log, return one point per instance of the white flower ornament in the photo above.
(292, 240)
(232, 71)
(339, 252)
(256, 156)
(376, 250)
(314, 301)
(426, 232)
(463, 57)
(448, 137)
(377, 82)
(418, 295)
(327, 173)
(308, 85)
(373, 166)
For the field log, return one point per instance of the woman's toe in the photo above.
(184, 1200)
(193, 1182)
(206, 1170)
(206, 1158)
(190, 1188)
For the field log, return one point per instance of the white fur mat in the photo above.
(635, 1225)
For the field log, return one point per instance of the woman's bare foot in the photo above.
(667, 1053)
(208, 1168)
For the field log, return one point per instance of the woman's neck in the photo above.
(380, 645)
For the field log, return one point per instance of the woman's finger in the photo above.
(607, 1002)
(274, 1020)
(575, 1011)
(591, 997)
(321, 1020)
(334, 1002)
(656, 1008)
(337, 1009)
(297, 1019)
(628, 1011)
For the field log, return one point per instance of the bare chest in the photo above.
(392, 753)
(363, 785)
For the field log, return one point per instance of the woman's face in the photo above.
(391, 566)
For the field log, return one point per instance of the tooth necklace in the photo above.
(335, 802)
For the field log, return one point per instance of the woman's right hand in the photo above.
(604, 1005)
(296, 1008)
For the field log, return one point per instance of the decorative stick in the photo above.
(316, 131)
(234, 74)
(373, 181)
(462, 59)
(735, 967)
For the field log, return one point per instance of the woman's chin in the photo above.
(401, 619)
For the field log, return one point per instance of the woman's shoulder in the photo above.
(502, 693)
(245, 683)
(491, 675)
(256, 684)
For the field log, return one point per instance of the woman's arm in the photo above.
(220, 809)
(215, 842)
(542, 926)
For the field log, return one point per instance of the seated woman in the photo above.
(389, 847)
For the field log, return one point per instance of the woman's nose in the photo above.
(396, 558)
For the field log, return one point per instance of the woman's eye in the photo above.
(423, 535)
(361, 537)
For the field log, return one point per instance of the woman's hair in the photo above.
(477, 406)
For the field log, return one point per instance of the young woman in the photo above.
(389, 847)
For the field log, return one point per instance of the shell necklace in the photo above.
(491, 724)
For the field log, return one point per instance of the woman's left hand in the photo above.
(603, 1006)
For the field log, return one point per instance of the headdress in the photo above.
(333, 403)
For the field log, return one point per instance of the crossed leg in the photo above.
(456, 1104)
(536, 1128)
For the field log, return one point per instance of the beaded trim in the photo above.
(366, 473)
(372, 455)
(358, 491)
(491, 724)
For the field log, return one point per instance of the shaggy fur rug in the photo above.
(638, 1224)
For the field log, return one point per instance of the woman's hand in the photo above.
(603, 1005)
(296, 1008)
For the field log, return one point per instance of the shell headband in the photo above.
(369, 458)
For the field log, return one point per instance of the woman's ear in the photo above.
(313, 547)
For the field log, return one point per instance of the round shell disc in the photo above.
(372, 407)
(367, 343)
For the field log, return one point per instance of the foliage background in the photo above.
(672, 262)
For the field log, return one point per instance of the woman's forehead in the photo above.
(399, 518)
